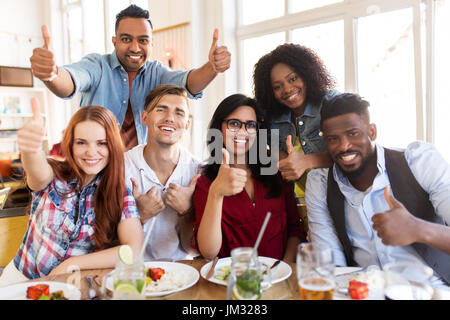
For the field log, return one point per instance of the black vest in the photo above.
(406, 190)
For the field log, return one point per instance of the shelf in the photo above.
(14, 120)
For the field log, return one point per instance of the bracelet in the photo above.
(53, 77)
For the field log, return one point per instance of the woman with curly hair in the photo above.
(290, 84)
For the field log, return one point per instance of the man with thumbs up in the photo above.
(163, 174)
(120, 81)
(351, 210)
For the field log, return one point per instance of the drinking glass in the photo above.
(407, 281)
(315, 272)
(247, 276)
(128, 281)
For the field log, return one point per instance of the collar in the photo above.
(94, 183)
(311, 111)
(147, 171)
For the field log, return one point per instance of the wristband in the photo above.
(53, 77)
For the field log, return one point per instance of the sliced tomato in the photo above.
(156, 273)
(358, 290)
(35, 292)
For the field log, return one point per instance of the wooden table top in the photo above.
(202, 290)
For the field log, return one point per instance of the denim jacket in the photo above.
(103, 81)
(308, 127)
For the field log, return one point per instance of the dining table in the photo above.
(202, 290)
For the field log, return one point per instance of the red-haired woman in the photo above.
(81, 210)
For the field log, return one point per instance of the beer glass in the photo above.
(315, 272)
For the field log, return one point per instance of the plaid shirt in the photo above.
(61, 226)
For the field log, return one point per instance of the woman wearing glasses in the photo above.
(233, 195)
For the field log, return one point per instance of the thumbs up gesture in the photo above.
(396, 226)
(179, 197)
(219, 56)
(149, 204)
(31, 135)
(294, 165)
(229, 181)
(43, 63)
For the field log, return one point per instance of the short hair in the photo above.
(157, 93)
(344, 103)
(133, 11)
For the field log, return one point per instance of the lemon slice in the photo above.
(238, 296)
(126, 254)
(126, 288)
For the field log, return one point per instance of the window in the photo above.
(384, 50)
(254, 49)
(82, 17)
(75, 33)
(321, 38)
(302, 5)
(259, 10)
(442, 70)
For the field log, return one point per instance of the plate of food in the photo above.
(359, 284)
(40, 290)
(223, 267)
(163, 278)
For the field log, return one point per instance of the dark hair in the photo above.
(344, 103)
(133, 11)
(226, 107)
(157, 93)
(305, 62)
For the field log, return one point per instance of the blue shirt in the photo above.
(430, 170)
(103, 81)
(307, 126)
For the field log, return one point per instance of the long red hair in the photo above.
(108, 198)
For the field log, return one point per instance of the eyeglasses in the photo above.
(234, 125)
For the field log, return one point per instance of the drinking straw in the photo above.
(147, 236)
(261, 232)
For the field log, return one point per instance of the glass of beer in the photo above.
(315, 272)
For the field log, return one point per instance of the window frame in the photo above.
(349, 11)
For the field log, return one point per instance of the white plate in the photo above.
(192, 276)
(279, 273)
(19, 291)
(342, 280)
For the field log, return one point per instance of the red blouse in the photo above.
(242, 220)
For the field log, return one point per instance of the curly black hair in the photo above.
(305, 62)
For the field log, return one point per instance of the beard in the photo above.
(354, 174)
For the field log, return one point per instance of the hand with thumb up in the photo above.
(219, 57)
(229, 181)
(31, 135)
(397, 226)
(179, 197)
(43, 64)
(294, 165)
